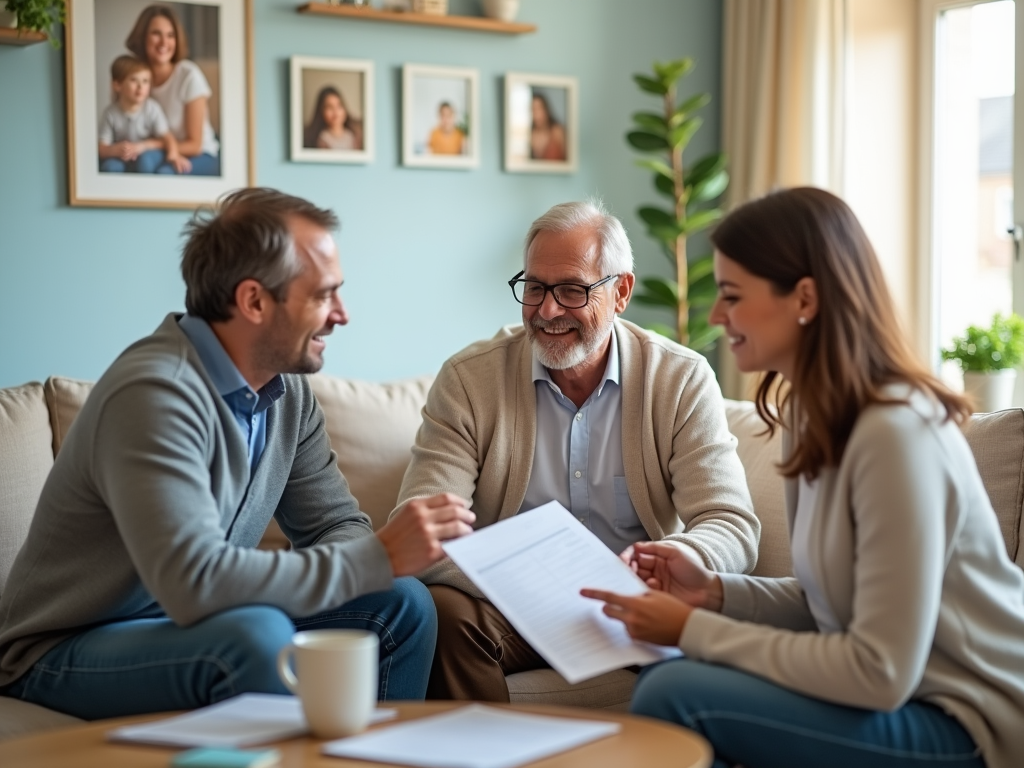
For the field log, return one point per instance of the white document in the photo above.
(252, 718)
(472, 737)
(533, 566)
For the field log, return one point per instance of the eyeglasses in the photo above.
(568, 295)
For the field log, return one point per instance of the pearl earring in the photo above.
(802, 320)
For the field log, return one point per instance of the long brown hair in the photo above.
(853, 347)
(136, 42)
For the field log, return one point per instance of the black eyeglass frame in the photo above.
(551, 288)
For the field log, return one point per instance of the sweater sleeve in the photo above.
(902, 502)
(154, 478)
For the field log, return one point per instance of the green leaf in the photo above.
(999, 346)
(700, 268)
(658, 166)
(703, 289)
(705, 168)
(656, 217)
(680, 136)
(709, 188)
(665, 330)
(666, 186)
(692, 104)
(700, 220)
(651, 121)
(646, 141)
(667, 234)
(650, 85)
(658, 292)
(703, 341)
(671, 71)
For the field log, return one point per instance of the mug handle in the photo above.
(284, 669)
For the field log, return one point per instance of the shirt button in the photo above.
(581, 520)
(248, 395)
(578, 474)
(579, 417)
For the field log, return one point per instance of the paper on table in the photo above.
(472, 737)
(252, 718)
(533, 566)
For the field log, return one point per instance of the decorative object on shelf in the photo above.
(332, 114)
(989, 358)
(465, 23)
(505, 10)
(541, 123)
(207, 65)
(434, 7)
(37, 16)
(691, 191)
(440, 117)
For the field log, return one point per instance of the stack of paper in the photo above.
(472, 737)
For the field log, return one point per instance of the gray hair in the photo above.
(245, 236)
(616, 256)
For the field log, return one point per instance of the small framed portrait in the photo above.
(159, 101)
(332, 110)
(440, 117)
(541, 124)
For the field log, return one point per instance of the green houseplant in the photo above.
(989, 358)
(39, 16)
(690, 191)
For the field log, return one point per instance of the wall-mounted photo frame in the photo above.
(332, 111)
(440, 117)
(138, 72)
(541, 123)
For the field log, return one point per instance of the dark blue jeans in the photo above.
(150, 161)
(757, 724)
(153, 665)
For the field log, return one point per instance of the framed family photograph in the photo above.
(332, 110)
(541, 123)
(440, 117)
(159, 101)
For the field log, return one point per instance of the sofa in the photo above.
(372, 427)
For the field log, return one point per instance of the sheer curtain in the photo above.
(783, 99)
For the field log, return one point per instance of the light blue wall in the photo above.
(426, 252)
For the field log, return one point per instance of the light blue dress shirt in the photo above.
(247, 406)
(577, 459)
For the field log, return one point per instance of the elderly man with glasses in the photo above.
(624, 427)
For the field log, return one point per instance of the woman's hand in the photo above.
(654, 617)
(672, 567)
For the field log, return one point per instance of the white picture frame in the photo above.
(317, 85)
(96, 34)
(429, 132)
(559, 96)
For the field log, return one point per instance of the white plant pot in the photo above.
(991, 390)
(505, 10)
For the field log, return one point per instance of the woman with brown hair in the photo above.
(898, 642)
(179, 86)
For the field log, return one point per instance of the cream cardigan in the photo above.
(908, 553)
(682, 470)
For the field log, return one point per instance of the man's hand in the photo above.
(413, 537)
(667, 566)
(654, 617)
(180, 163)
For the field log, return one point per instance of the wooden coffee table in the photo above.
(642, 742)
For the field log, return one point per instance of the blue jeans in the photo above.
(205, 165)
(150, 161)
(757, 724)
(153, 665)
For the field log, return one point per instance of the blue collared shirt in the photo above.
(247, 406)
(577, 459)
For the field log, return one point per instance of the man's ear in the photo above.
(623, 291)
(252, 301)
(806, 293)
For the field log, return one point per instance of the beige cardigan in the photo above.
(479, 429)
(910, 558)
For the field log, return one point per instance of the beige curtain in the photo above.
(783, 101)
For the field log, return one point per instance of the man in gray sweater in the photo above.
(139, 588)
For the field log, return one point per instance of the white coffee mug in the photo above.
(335, 678)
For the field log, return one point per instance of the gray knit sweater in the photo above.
(150, 507)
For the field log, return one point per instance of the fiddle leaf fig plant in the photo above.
(39, 16)
(690, 191)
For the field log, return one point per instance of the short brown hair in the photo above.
(853, 347)
(126, 66)
(136, 42)
(245, 236)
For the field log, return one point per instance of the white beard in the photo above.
(561, 356)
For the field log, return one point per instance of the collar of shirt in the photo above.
(611, 370)
(223, 372)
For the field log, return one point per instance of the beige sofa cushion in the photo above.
(25, 460)
(65, 398)
(372, 428)
(611, 690)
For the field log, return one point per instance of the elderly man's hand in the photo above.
(653, 617)
(673, 567)
(413, 537)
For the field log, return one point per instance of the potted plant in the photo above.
(690, 191)
(989, 358)
(39, 16)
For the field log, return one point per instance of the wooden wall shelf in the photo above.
(11, 36)
(472, 23)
